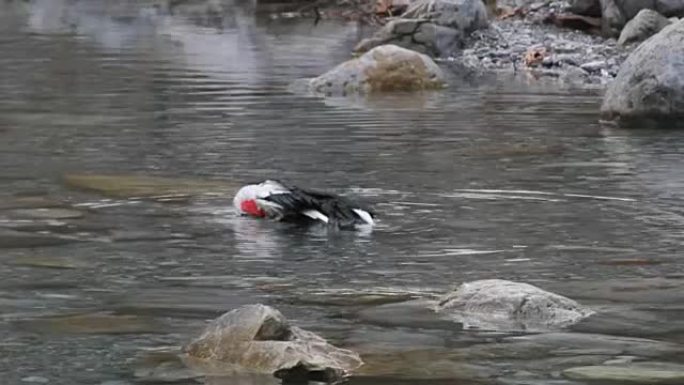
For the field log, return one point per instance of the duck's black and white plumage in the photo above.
(274, 200)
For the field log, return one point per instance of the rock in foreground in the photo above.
(650, 84)
(384, 68)
(504, 305)
(258, 339)
(433, 27)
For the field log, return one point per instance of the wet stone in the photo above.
(496, 304)
(258, 339)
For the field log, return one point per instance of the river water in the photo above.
(505, 177)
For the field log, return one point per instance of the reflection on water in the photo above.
(504, 179)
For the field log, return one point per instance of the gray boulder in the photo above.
(505, 305)
(258, 339)
(384, 68)
(650, 84)
(645, 24)
(616, 13)
(433, 27)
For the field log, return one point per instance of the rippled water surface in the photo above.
(507, 178)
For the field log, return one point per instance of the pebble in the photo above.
(594, 66)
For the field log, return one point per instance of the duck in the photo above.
(272, 199)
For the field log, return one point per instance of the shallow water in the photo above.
(506, 177)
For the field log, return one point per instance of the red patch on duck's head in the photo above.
(250, 207)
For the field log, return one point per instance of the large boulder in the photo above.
(433, 27)
(384, 68)
(616, 13)
(258, 339)
(650, 84)
(645, 24)
(505, 305)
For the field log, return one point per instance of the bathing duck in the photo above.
(274, 200)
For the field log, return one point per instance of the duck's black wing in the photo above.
(337, 210)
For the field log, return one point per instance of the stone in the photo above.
(258, 339)
(612, 18)
(463, 15)
(594, 66)
(433, 27)
(149, 187)
(505, 305)
(646, 373)
(649, 88)
(585, 7)
(645, 24)
(384, 68)
(616, 13)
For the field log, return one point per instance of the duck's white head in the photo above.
(246, 199)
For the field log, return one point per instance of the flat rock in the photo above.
(649, 87)
(150, 187)
(382, 69)
(505, 305)
(637, 373)
(644, 25)
(258, 339)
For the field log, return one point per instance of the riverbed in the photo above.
(507, 177)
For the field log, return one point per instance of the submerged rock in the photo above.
(650, 84)
(384, 68)
(646, 373)
(257, 338)
(498, 304)
(433, 27)
(145, 186)
(645, 24)
(46, 213)
(20, 239)
(92, 323)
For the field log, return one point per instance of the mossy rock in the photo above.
(386, 68)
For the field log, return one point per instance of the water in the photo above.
(507, 178)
